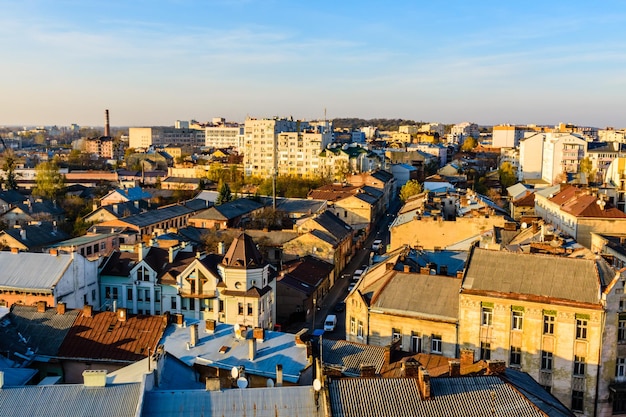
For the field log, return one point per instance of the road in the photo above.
(340, 290)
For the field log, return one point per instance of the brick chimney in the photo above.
(259, 334)
(424, 383)
(209, 325)
(495, 367)
(61, 307)
(279, 375)
(121, 314)
(367, 370)
(41, 306)
(425, 270)
(455, 368)
(467, 356)
(88, 311)
(54, 252)
(180, 319)
(15, 250)
(107, 130)
(193, 334)
(411, 369)
(407, 268)
(459, 274)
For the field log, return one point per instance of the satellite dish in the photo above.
(317, 385)
(524, 225)
(270, 383)
(242, 382)
(234, 372)
(236, 327)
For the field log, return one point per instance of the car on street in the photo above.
(340, 307)
(351, 286)
(377, 245)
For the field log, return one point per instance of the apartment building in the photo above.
(221, 134)
(284, 147)
(562, 153)
(507, 136)
(145, 137)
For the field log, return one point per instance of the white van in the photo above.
(357, 274)
(330, 323)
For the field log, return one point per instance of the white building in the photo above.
(562, 153)
(145, 137)
(507, 136)
(531, 156)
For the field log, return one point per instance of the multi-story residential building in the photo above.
(555, 318)
(221, 134)
(146, 137)
(562, 153)
(615, 176)
(339, 161)
(531, 156)
(103, 147)
(507, 136)
(577, 212)
(601, 156)
(433, 128)
(438, 151)
(408, 129)
(612, 135)
(465, 129)
(284, 147)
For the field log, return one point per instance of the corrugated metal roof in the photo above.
(464, 397)
(534, 274)
(258, 402)
(32, 270)
(70, 401)
(350, 356)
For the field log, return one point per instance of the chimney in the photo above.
(495, 367)
(221, 248)
(140, 248)
(467, 356)
(443, 270)
(407, 269)
(209, 326)
(95, 377)
(180, 319)
(459, 274)
(88, 311)
(259, 334)
(279, 375)
(389, 266)
(425, 270)
(535, 227)
(115, 209)
(1, 379)
(193, 334)
(251, 349)
(41, 306)
(171, 254)
(212, 384)
(411, 368)
(298, 337)
(455, 368)
(61, 308)
(121, 314)
(15, 250)
(424, 383)
(107, 131)
(22, 234)
(367, 371)
(387, 355)
(54, 252)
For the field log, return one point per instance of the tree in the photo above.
(411, 188)
(586, 167)
(9, 166)
(224, 195)
(48, 179)
(507, 174)
(469, 143)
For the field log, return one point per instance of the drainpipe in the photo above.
(595, 403)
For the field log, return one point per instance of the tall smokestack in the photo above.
(107, 131)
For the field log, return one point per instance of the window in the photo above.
(581, 328)
(396, 334)
(352, 325)
(485, 351)
(107, 292)
(192, 304)
(209, 304)
(548, 324)
(359, 333)
(129, 294)
(546, 360)
(157, 295)
(173, 303)
(620, 369)
(577, 400)
(249, 309)
(518, 318)
(621, 329)
(221, 306)
(416, 343)
(579, 365)
(240, 309)
(114, 289)
(85, 299)
(147, 295)
(487, 316)
(435, 344)
(516, 356)
(93, 295)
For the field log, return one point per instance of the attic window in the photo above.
(223, 349)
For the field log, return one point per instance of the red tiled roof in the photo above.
(527, 200)
(565, 195)
(587, 206)
(104, 337)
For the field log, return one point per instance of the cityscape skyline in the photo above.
(152, 63)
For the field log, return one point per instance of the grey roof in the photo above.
(539, 275)
(156, 216)
(277, 348)
(36, 235)
(349, 356)
(258, 402)
(17, 377)
(334, 225)
(420, 294)
(32, 270)
(230, 210)
(70, 400)
(462, 396)
(43, 332)
(83, 240)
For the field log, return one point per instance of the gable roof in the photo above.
(333, 225)
(36, 235)
(349, 356)
(230, 210)
(11, 196)
(543, 276)
(243, 253)
(27, 270)
(104, 337)
(156, 216)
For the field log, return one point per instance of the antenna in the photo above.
(242, 382)
(234, 372)
(317, 385)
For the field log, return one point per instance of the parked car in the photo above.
(330, 322)
(377, 245)
(340, 307)
(357, 274)
(351, 286)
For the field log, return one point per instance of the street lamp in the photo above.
(314, 308)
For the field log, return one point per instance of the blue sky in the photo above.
(154, 62)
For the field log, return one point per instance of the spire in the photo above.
(243, 253)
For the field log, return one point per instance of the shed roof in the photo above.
(26, 270)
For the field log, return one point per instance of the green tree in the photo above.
(411, 188)
(507, 174)
(224, 195)
(469, 143)
(9, 166)
(48, 179)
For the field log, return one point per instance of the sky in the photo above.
(154, 62)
